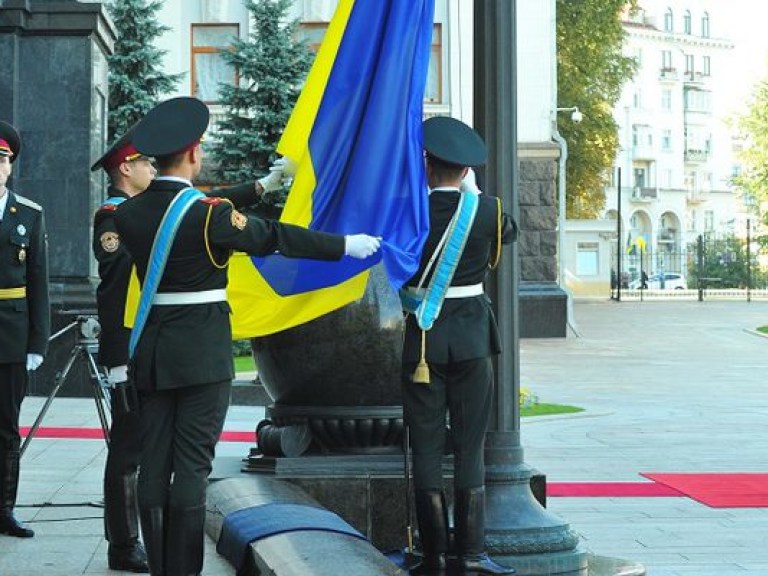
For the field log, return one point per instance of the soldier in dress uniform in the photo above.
(25, 323)
(447, 368)
(182, 366)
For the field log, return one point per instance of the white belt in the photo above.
(183, 298)
(464, 291)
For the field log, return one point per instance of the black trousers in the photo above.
(463, 391)
(13, 388)
(180, 429)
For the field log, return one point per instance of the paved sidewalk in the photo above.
(667, 387)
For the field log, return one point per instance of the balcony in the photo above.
(667, 235)
(695, 197)
(668, 75)
(643, 195)
(696, 155)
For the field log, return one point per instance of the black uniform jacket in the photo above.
(466, 328)
(185, 345)
(115, 265)
(25, 323)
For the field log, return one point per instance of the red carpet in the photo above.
(609, 489)
(719, 490)
(96, 433)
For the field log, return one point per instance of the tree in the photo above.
(136, 79)
(753, 126)
(591, 71)
(271, 66)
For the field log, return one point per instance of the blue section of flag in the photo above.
(366, 147)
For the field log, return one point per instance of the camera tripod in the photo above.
(88, 330)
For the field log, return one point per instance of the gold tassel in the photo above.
(421, 374)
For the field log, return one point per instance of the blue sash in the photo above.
(426, 306)
(158, 258)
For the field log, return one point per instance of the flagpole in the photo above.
(519, 531)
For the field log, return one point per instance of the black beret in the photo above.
(454, 142)
(171, 127)
(12, 138)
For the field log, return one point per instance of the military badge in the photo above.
(110, 241)
(21, 229)
(239, 220)
(22, 255)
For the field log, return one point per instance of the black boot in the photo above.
(122, 525)
(9, 485)
(469, 517)
(185, 541)
(432, 517)
(153, 524)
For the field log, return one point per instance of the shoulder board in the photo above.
(108, 208)
(212, 200)
(27, 202)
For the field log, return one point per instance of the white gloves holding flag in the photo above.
(469, 183)
(33, 362)
(361, 246)
(283, 168)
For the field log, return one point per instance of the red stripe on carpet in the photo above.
(719, 490)
(96, 433)
(609, 489)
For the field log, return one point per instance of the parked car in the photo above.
(672, 281)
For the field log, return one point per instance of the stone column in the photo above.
(53, 88)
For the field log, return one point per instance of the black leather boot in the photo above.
(432, 517)
(122, 525)
(153, 526)
(185, 541)
(9, 485)
(469, 517)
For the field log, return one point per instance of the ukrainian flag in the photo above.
(355, 135)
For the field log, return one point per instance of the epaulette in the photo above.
(212, 200)
(107, 208)
(27, 202)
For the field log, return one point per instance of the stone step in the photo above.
(247, 390)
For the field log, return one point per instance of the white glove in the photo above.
(117, 375)
(272, 181)
(361, 245)
(33, 362)
(287, 165)
(469, 183)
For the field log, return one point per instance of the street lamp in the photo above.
(576, 117)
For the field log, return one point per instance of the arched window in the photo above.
(705, 25)
(669, 21)
(687, 22)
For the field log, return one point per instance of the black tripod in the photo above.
(88, 330)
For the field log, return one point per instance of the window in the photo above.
(705, 25)
(666, 60)
(208, 68)
(689, 65)
(637, 99)
(709, 220)
(666, 99)
(587, 259)
(706, 63)
(669, 21)
(313, 33)
(640, 178)
(666, 140)
(692, 220)
(687, 22)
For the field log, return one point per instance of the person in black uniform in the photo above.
(25, 322)
(183, 365)
(130, 173)
(458, 351)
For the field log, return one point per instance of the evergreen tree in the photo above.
(136, 79)
(272, 66)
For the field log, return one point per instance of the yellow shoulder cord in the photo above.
(207, 240)
(496, 257)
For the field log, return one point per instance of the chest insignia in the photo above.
(22, 255)
(13, 209)
(110, 241)
(239, 220)
(21, 229)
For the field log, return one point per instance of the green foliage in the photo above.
(725, 258)
(136, 79)
(591, 71)
(272, 66)
(753, 126)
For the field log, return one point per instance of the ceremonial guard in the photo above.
(25, 323)
(181, 352)
(451, 337)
